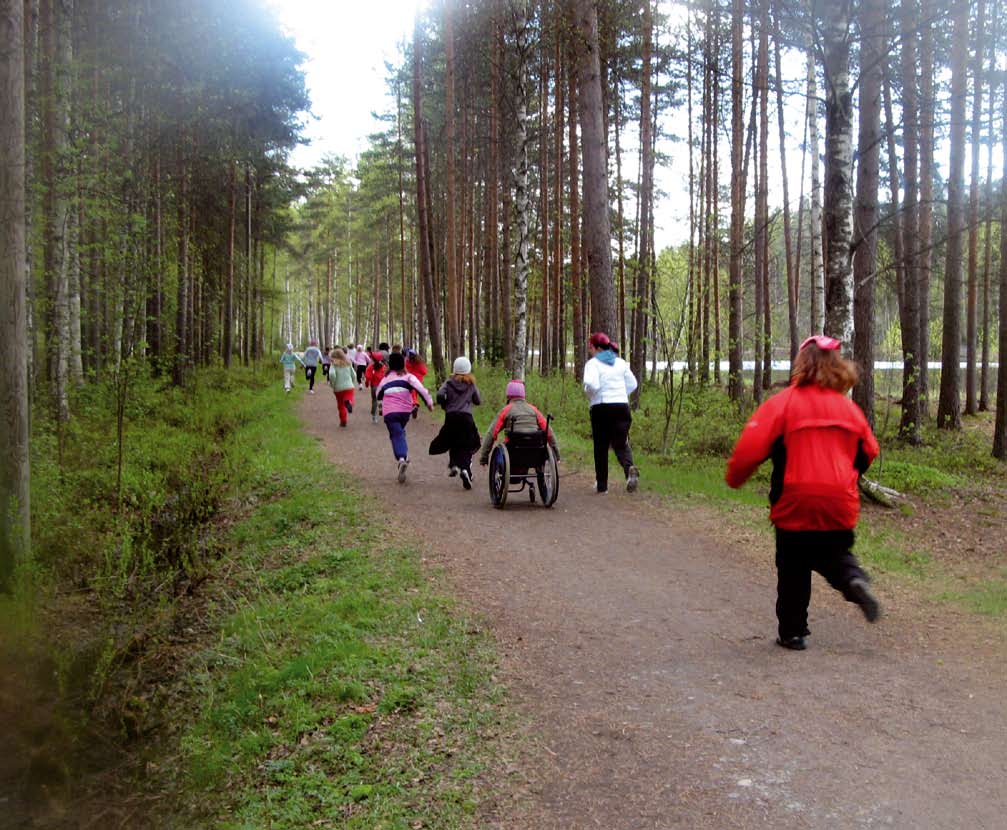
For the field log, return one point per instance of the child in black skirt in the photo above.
(459, 437)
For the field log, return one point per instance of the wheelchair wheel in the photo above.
(548, 479)
(499, 476)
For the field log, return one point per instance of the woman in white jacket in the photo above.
(608, 383)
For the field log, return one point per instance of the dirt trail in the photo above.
(640, 648)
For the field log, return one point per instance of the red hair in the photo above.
(824, 367)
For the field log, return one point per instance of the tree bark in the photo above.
(865, 238)
(735, 383)
(521, 264)
(452, 306)
(423, 218)
(838, 197)
(949, 404)
(816, 279)
(913, 361)
(641, 289)
(1000, 421)
(597, 231)
(795, 338)
(15, 503)
(972, 308)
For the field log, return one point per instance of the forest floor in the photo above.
(636, 642)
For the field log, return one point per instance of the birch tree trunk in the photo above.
(597, 230)
(795, 339)
(15, 504)
(452, 316)
(949, 404)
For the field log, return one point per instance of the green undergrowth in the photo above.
(341, 688)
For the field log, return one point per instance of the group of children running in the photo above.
(395, 379)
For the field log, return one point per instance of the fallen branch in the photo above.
(885, 496)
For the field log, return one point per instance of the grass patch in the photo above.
(989, 598)
(341, 688)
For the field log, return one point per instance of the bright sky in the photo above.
(347, 44)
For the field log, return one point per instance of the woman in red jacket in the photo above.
(820, 443)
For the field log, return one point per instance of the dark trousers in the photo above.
(396, 423)
(309, 375)
(798, 553)
(460, 457)
(360, 373)
(610, 424)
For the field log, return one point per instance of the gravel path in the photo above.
(638, 643)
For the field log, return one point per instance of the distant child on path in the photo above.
(360, 361)
(820, 444)
(373, 376)
(342, 379)
(395, 393)
(289, 359)
(311, 358)
(326, 361)
(459, 437)
(415, 366)
(518, 416)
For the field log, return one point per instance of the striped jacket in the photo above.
(395, 393)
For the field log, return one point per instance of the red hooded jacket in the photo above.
(820, 443)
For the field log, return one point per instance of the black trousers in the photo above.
(309, 375)
(798, 553)
(610, 423)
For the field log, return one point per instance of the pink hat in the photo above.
(515, 389)
(822, 341)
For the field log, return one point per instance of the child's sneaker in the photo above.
(349, 406)
(452, 471)
(466, 479)
(632, 480)
(793, 643)
(403, 463)
(861, 594)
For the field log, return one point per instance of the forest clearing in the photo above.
(645, 234)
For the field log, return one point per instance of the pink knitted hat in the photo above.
(515, 389)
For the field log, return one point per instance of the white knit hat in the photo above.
(462, 366)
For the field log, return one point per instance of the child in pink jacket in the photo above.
(396, 395)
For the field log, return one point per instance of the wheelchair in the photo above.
(524, 460)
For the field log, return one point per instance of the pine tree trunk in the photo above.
(15, 503)
(838, 197)
(597, 230)
(423, 217)
(865, 239)
(984, 375)
(924, 252)
(451, 317)
(795, 337)
(232, 219)
(1000, 421)
(760, 103)
(817, 275)
(620, 213)
(913, 362)
(735, 381)
(521, 264)
(576, 277)
(972, 307)
(949, 404)
(641, 291)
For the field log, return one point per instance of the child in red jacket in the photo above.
(373, 376)
(820, 443)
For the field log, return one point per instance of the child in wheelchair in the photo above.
(516, 419)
